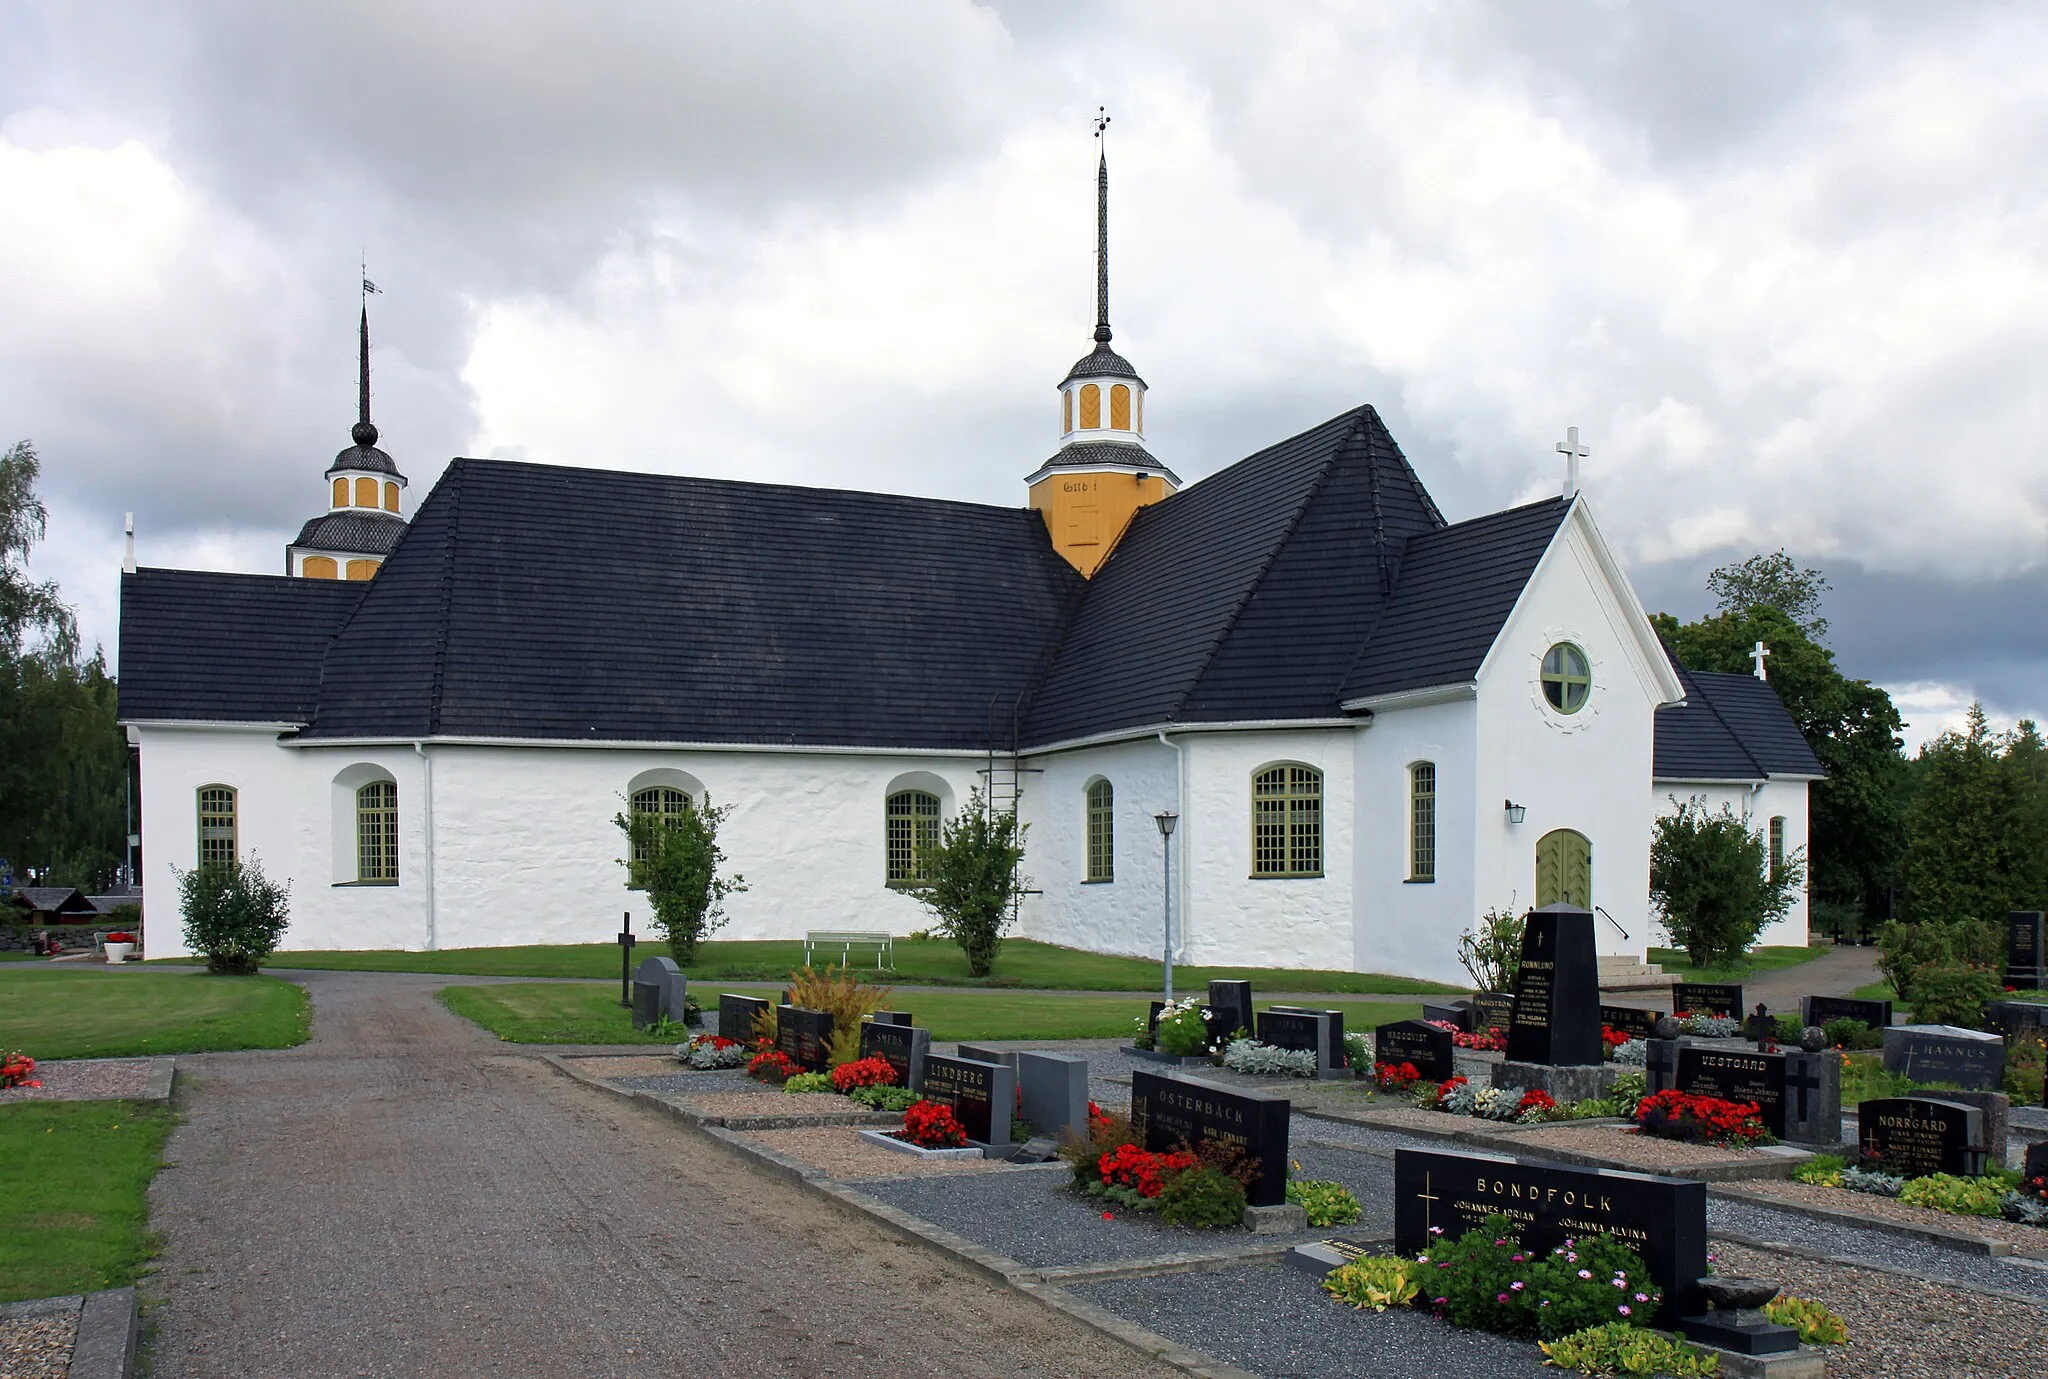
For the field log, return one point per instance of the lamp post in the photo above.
(1166, 819)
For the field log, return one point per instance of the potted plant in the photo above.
(119, 945)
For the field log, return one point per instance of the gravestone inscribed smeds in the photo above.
(1557, 990)
(1052, 1092)
(801, 1034)
(981, 1095)
(902, 1047)
(736, 1016)
(1708, 998)
(1818, 1010)
(1757, 1077)
(1232, 1003)
(1168, 1111)
(1662, 1219)
(1412, 1041)
(2023, 954)
(1915, 1136)
(1636, 1024)
(1972, 1059)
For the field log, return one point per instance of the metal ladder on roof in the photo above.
(1003, 776)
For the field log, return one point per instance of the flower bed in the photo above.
(709, 1051)
(17, 1069)
(772, 1065)
(932, 1125)
(863, 1072)
(1676, 1115)
(1395, 1077)
(1250, 1056)
(1516, 1105)
(1491, 1040)
(1999, 1193)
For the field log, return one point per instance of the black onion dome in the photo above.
(1103, 362)
(364, 454)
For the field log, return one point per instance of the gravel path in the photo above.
(84, 1079)
(846, 1153)
(398, 1197)
(1622, 1144)
(1923, 1258)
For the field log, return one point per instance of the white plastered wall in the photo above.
(1402, 926)
(1122, 915)
(1756, 803)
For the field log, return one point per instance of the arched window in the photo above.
(1422, 821)
(1091, 406)
(361, 569)
(341, 493)
(1120, 407)
(1777, 846)
(377, 832)
(390, 496)
(216, 824)
(912, 830)
(366, 493)
(1101, 831)
(320, 567)
(1066, 412)
(663, 802)
(1287, 821)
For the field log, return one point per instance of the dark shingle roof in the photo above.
(372, 533)
(1101, 362)
(1090, 453)
(226, 648)
(64, 900)
(364, 454)
(1730, 727)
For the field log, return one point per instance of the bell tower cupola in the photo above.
(366, 494)
(1102, 473)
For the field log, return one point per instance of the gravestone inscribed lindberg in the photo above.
(1662, 1219)
(802, 1035)
(1709, 998)
(1757, 1077)
(902, 1047)
(981, 1095)
(1818, 1010)
(1557, 990)
(1915, 1136)
(1412, 1041)
(1168, 1111)
(1971, 1059)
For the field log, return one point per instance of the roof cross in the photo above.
(1757, 654)
(1573, 452)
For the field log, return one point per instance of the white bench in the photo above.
(844, 943)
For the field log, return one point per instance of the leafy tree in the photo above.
(234, 914)
(974, 879)
(1712, 880)
(1974, 846)
(1772, 581)
(680, 871)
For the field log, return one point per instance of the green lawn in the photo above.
(1876, 991)
(73, 1177)
(1760, 960)
(122, 1012)
(20, 955)
(560, 1013)
(1022, 963)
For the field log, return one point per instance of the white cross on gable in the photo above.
(1573, 452)
(1757, 654)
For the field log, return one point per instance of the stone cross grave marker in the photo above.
(1710, 998)
(1557, 991)
(1636, 1024)
(1915, 1136)
(902, 1047)
(1169, 1110)
(659, 990)
(981, 1095)
(1413, 1041)
(1970, 1058)
(1662, 1219)
(1232, 1003)
(802, 1035)
(1053, 1093)
(736, 1016)
(2023, 952)
(1300, 1030)
(1818, 1010)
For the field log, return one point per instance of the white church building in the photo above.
(1372, 725)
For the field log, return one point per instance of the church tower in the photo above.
(365, 516)
(1102, 473)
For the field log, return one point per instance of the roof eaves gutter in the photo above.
(1415, 698)
(218, 724)
(1153, 730)
(629, 745)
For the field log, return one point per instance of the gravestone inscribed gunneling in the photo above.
(1413, 1041)
(902, 1047)
(1971, 1059)
(1168, 1111)
(980, 1094)
(1557, 990)
(1052, 1092)
(1707, 998)
(1915, 1136)
(736, 1016)
(2023, 955)
(802, 1034)
(1662, 1219)
(659, 989)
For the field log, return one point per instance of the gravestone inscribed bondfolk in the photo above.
(1052, 1092)
(1818, 1010)
(1232, 1003)
(1711, 998)
(981, 1095)
(1969, 1058)
(801, 1034)
(2023, 953)
(736, 1016)
(1757, 1077)
(1636, 1024)
(1412, 1041)
(1662, 1219)
(1557, 990)
(902, 1047)
(1915, 1136)
(1168, 1111)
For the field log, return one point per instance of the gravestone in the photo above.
(982, 1053)
(1636, 1024)
(1970, 1058)
(1813, 1098)
(1492, 1010)
(1232, 1003)
(1053, 1093)
(2015, 1018)
(902, 1047)
(1994, 1107)
(1662, 1219)
(1556, 1018)
(2035, 1165)
(1818, 1010)
(802, 1035)
(1710, 998)
(1733, 1076)
(1915, 1136)
(892, 1017)
(980, 1094)
(2023, 950)
(1336, 1020)
(1412, 1041)
(659, 990)
(736, 1016)
(1458, 1013)
(1660, 1065)
(1301, 1030)
(1168, 1111)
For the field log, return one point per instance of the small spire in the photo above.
(364, 432)
(1101, 227)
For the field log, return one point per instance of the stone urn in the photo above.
(1732, 1294)
(119, 952)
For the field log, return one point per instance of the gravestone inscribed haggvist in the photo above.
(1971, 1059)
(981, 1095)
(1636, 1024)
(736, 1016)
(1232, 1002)
(1293, 1029)
(1052, 1092)
(902, 1047)
(1412, 1041)
(1662, 1219)
(1818, 1010)
(801, 1034)
(1707, 998)
(1168, 1111)
(1915, 1136)
(1492, 1010)
(1757, 1077)
(2023, 955)
(1557, 990)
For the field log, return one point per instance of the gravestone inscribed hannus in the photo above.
(736, 1016)
(1413, 1041)
(802, 1034)
(1971, 1059)
(1818, 1010)
(1915, 1136)
(902, 1047)
(1557, 990)
(2023, 955)
(981, 1095)
(1662, 1219)
(1168, 1111)
(1232, 1002)
(1052, 1092)
(1757, 1077)
(1707, 998)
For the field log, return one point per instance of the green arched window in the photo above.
(1101, 831)
(663, 802)
(910, 832)
(1287, 821)
(216, 824)
(1422, 821)
(377, 832)
(1567, 678)
(1777, 846)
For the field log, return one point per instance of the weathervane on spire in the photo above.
(1102, 118)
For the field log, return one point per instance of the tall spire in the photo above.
(1101, 228)
(365, 432)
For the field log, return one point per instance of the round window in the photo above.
(1567, 678)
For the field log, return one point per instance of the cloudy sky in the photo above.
(1786, 266)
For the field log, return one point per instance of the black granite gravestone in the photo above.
(1707, 998)
(1232, 1003)
(1456, 1013)
(1298, 1029)
(802, 1035)
(736, 1016)
(1813, 1098)
(902, 1047)
(1736, 1076)
(1636, 1024)
(1557, 990)
(2035, 1165)
(892, 1017)
(1913, 1136)
(1971, 1059)
(1492, 1010)
(983, 1053)
(1818, 1010)
(659, 990)
(981, 1095)
(1336, 1021)
(1052, 1093)
(1662, 1219)
(1168, 1111)
(1413, 1041)
(2023, 951)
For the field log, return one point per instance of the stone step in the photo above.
(1623, 973)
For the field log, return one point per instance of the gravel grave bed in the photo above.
(1888, 1209)
(1906, 1328)
(1623, 1145)
(843, 1153)
(727, 1105)
(85, 1079)
(38, 1347)
(1270, 1319)
(676, 1082)
(1430, 1125)
(634, 1065)
(1921, 1258)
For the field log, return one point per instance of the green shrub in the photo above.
(675, 858)
(1618, 1348)
(1492, 954)
(1327, 1204)
(1853, 1034)
(1201, 1196)
(1864, 1078)
(1592, 1108)
(1486, 1280)
(2023, 1060)
(974, 882)
(1375, 1281)
(882, 1098)
(1815, 1324)
(234, 914)
(1962, 1196)
(1183, 1029)
(1628, 1091)
(1822, 1170)
(1953, 993)
(1909, 949)
(808, 1082)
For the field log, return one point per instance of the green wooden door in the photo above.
(1564, 869)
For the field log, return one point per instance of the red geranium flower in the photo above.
(863, 1072)
(931, 1125)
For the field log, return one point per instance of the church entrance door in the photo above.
(1564, 869)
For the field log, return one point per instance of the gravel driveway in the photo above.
(402, 1196)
